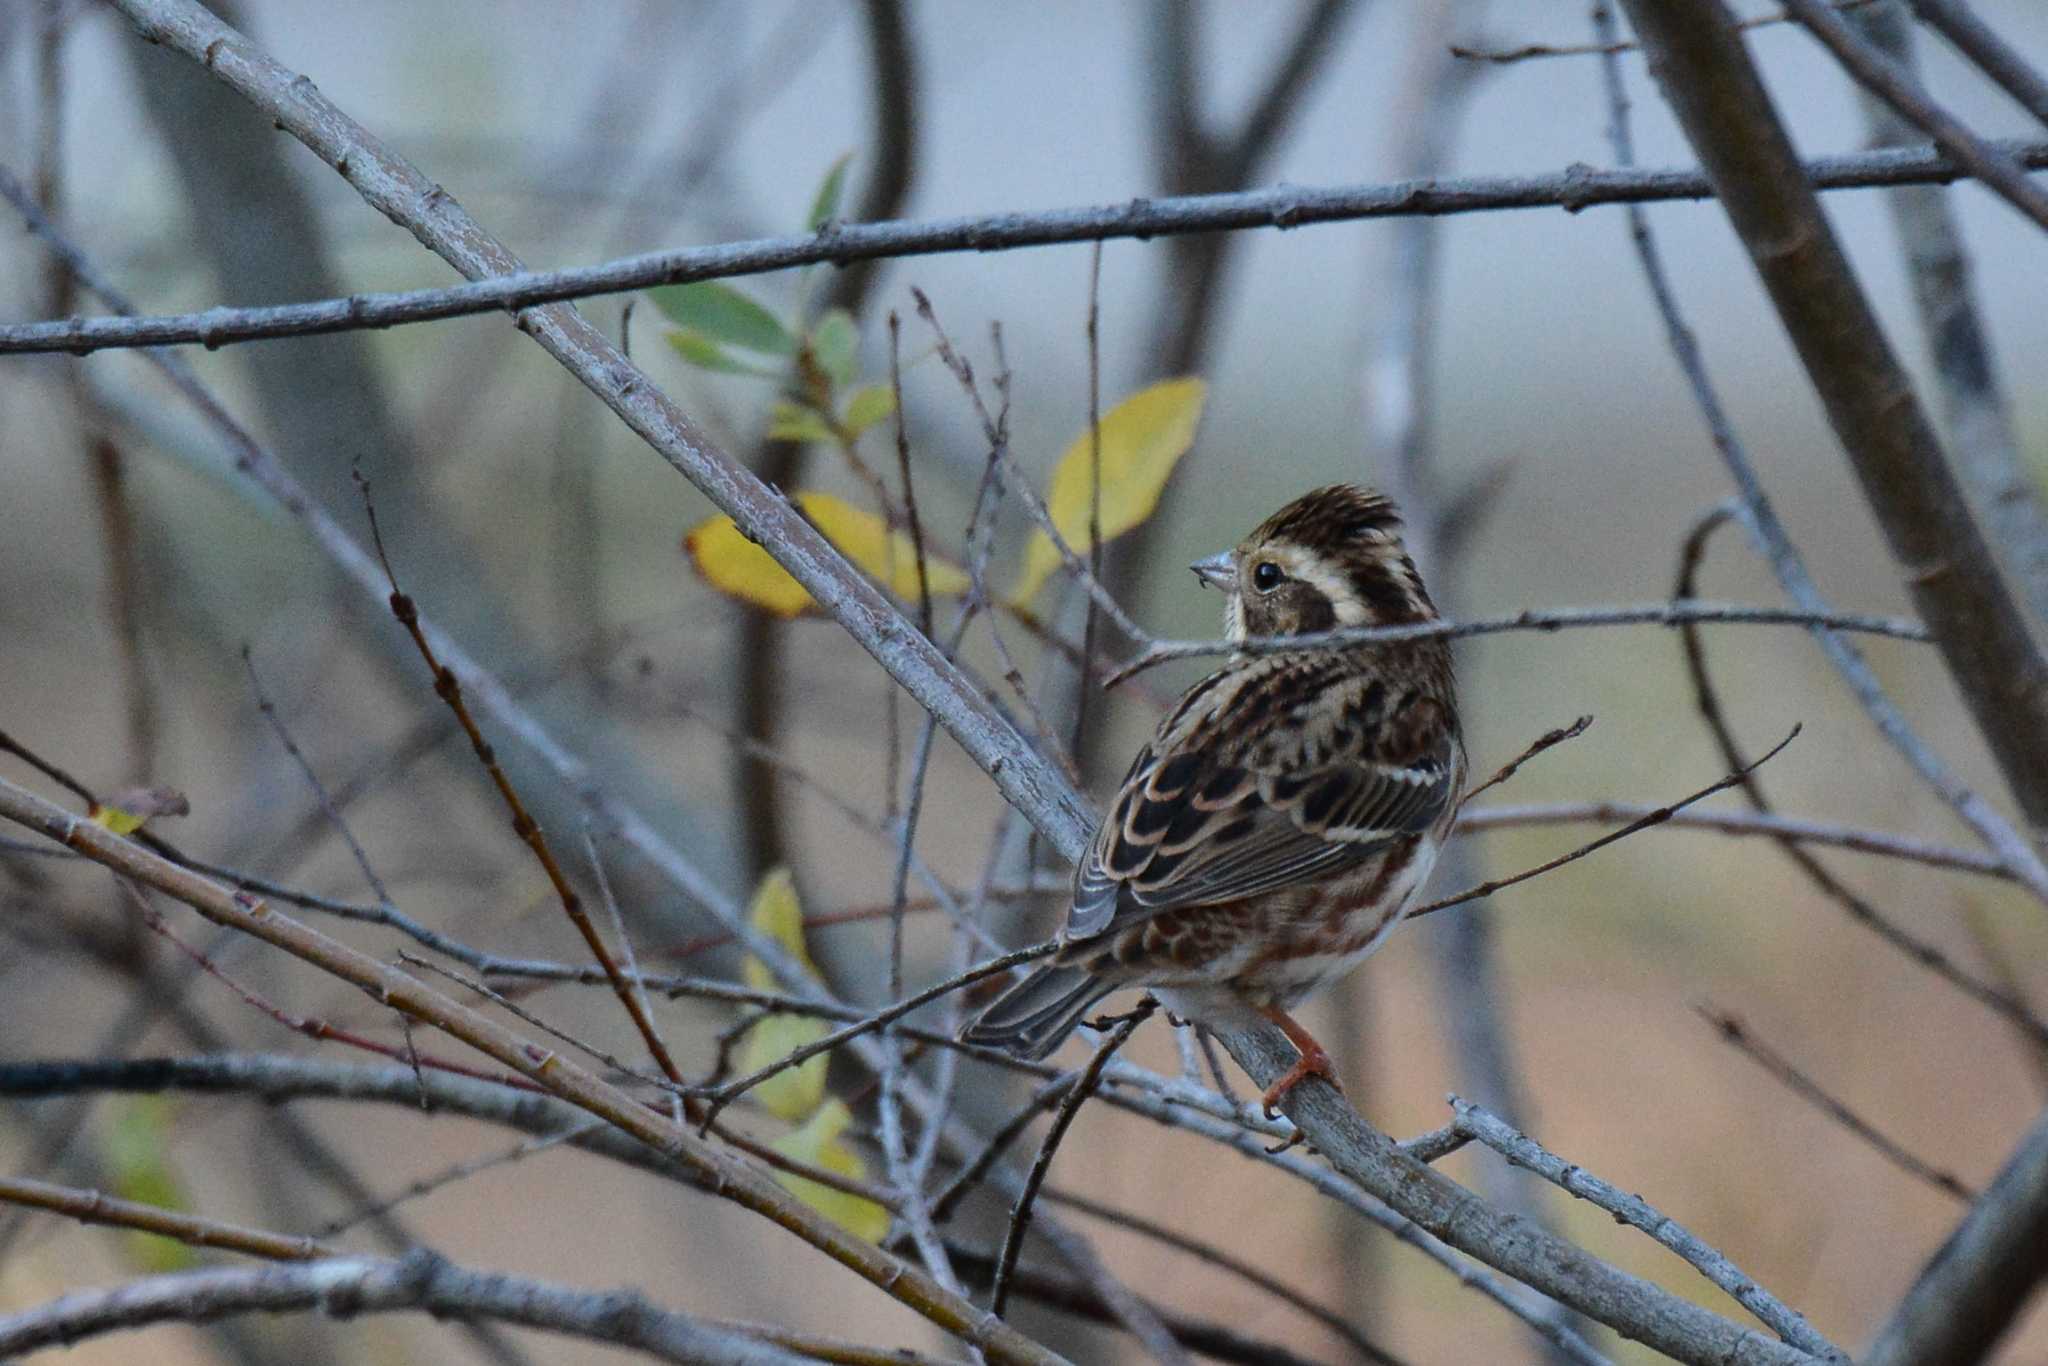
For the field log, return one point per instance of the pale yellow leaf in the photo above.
(889, 557)
(1143, 438)
(776, 912)
(817, 1144)
(737, 567)
(794, 1092)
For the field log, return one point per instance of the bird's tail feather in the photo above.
(1032, 1017)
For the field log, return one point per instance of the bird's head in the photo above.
(1329, 559)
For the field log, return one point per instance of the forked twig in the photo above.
(1656, 816)
(448, 688)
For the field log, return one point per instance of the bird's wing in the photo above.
(1292, 774)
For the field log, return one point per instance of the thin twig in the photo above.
(1656, 816)
(1547, 740)
(1917, 948)
(1530, 619)
(448, 687)
(1737, 1034)
(461, 1171)
(722, 1096)
(1798, 829)
(1507, 56)
(1070, 1104)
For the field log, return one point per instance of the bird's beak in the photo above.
(1217, 571)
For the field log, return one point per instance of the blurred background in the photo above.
(135, 572)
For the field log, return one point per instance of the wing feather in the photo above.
(1338, 765)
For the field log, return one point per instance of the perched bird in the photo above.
(1286, 811)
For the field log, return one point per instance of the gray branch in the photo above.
(1969, 1294)
(422, 1281)
(1026, 779)
(1974, 408)
(1574, 188)
(1523, 1151)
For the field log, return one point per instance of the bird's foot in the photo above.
(1313, 1062)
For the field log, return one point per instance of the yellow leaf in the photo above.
(887, 556)
(817, 1144)
(132, 808)
(736, 566)
(777, 913)
(794, 1092)
(1143, 438)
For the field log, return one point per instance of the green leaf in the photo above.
(825, 204)
(868, 406)
(706, 354)
(134, 1149)
(798, 422)
(834, 342)
(725, 315)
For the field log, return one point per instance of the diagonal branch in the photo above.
(1976, 1285)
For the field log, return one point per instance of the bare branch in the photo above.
(1441, 1207)
(1770, 824)
(1523, 1151)
(1890, 82)
(93, 1207)
(747, 1187)
(354, 1285)
(1976, 414)
(1995, 57)
(1572, 189)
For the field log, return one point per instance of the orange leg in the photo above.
(1313, 1062)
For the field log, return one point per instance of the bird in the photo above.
(1286, 811)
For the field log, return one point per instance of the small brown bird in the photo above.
(1282, 818)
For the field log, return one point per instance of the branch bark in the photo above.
(347, 1286)
(1572, 189)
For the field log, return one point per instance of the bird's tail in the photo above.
(1032, 1017)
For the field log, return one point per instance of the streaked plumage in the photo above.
(1282, 817)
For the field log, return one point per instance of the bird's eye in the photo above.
(1266, 576)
